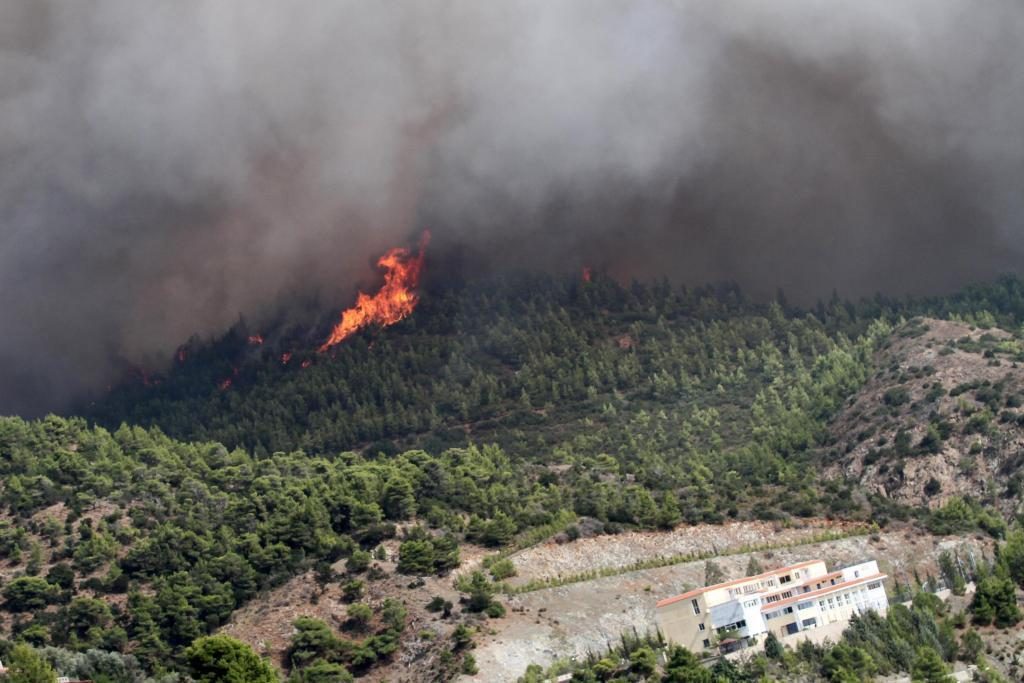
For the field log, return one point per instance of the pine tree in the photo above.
(929, 668)
(772, 647)
(416, 557)
(222, 659)
(28, 666)
(399, 499)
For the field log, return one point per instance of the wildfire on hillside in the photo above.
(144, 377)
(395, 300)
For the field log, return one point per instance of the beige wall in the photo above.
(681, 626)
(839, 613)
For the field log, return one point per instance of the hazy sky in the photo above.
(168, 166)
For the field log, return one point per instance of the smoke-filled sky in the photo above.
(168, 166)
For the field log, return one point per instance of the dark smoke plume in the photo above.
(168, 166)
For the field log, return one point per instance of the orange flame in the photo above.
(255, 339)
(285, 357)
(587, 274)
(395, 300)
(226, 383)
(306, 363)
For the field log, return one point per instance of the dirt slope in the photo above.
(566, 622)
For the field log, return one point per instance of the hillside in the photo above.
(492, 419)
(503, 357)
(652, 387)
(941, 418)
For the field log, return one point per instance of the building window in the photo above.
(805, 605)
(700, 627)
(785, 579)
(874, 584)
(707, 643)
(856, 573)
(696, 606)
(732, 627)
(810, 623)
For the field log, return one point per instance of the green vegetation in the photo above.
(317, 654)
(501, 415)
(25, 665)
(220, 659)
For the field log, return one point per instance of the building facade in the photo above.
(784, 601)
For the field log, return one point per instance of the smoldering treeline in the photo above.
(168, 166)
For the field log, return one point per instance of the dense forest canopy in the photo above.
(481, 360)
(493, 414)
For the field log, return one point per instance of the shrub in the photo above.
(358, 562)
(502, 569)
(896, 396)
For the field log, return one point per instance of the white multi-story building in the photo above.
(783, 601)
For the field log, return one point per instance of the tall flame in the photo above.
(394, 301)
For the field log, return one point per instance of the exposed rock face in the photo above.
(942, 417)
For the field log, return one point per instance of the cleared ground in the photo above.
(569, 621)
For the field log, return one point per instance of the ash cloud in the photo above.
(170, 166)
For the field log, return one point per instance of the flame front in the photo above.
(395, 300)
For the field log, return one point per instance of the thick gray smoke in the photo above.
(168, 166)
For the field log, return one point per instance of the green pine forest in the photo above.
(495, 415)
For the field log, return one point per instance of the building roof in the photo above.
(822, 591)
(698, 591)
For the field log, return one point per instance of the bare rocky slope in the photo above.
(942, 417)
